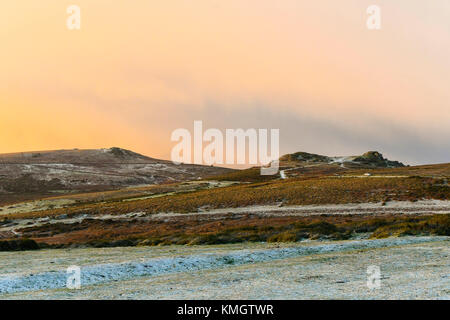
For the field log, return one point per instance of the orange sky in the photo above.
(139, 69)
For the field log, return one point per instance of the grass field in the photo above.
(93, 221)
(297, 191)
(411, 268)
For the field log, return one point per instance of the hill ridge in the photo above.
(369, 159)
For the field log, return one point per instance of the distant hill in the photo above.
(44, 172)
(304, 163)
(301, 164)
(370, 159)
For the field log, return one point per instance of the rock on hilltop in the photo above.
(370, 159)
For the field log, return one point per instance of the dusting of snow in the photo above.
(392, 207)
(105, 273)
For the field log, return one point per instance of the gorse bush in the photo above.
(286, 229)
(436, 225)
(18, 245)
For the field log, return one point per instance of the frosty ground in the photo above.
(411, 268)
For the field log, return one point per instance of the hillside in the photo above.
(33, 174)
(312, 197)
(304, 164)
(370, 159)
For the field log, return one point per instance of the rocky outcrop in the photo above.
(376, 159)
(370, 159)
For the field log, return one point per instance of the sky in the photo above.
(137, 70)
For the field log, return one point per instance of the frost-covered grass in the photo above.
(28, 280)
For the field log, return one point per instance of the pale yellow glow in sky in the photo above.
(139, 69)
